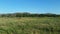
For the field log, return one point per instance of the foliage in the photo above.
(29, 15)
(30, 25)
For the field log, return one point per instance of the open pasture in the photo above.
(30, 25)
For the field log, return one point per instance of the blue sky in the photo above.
(32, 6)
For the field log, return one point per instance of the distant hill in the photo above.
(29, 15)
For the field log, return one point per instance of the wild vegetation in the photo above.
(29, 25)
(29, 15)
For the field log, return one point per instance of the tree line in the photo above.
(29, 15)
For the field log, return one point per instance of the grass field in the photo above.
(30, 25)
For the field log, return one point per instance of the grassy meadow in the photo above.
(30, 25)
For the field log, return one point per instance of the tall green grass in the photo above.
(30, 25)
